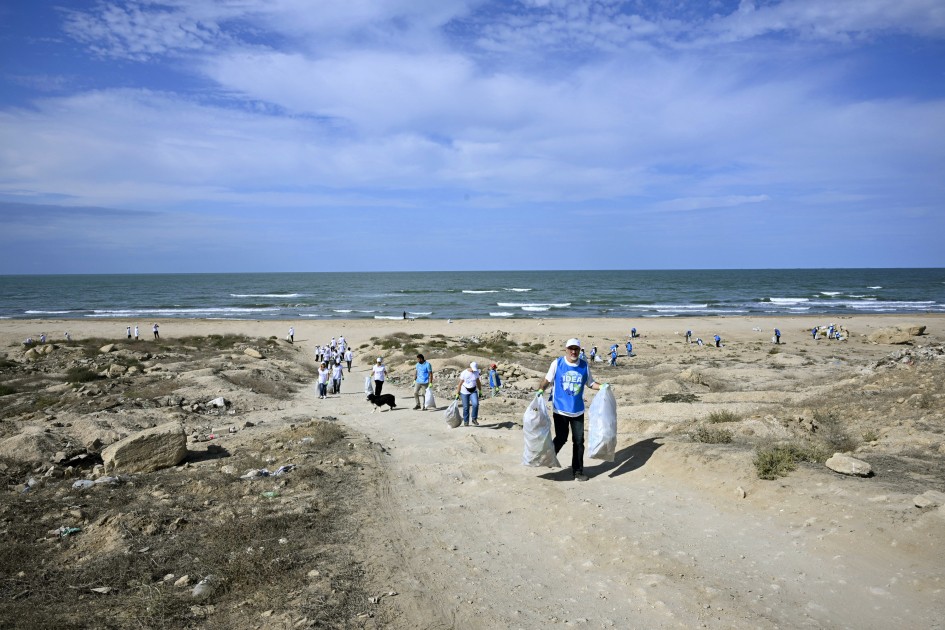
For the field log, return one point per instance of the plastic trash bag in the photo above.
(367, 385)
(454, 417)
(428, 400)
(539, 449)
(602, 433)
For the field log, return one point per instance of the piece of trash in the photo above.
(107, 480)
(104, 590)
(83, 484)
(253, 474)
(204, 588)
(376, 599)
(272, 494)
(212, 436)
(284, 469)
(67, 531)
(283, 541)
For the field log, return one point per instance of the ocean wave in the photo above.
(341, 310)
(311, 315)
(170, 312)
(874, 288)
(48, 312)
(500, 314)
(830, 292)
(388, 317)
(787, 300)
(523, 305)
(517, 289)
(538, 309)
(668, 307)
(420, 314)
(877, 305)
(266, 295)
(480, 291)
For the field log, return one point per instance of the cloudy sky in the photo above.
(304, 135)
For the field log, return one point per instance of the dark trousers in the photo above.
(576, 426)
(378, 386)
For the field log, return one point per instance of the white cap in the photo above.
(474, 365)
(572, 342)
(378, 359)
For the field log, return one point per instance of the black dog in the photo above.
(380, 401)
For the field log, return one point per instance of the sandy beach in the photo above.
(449, 530)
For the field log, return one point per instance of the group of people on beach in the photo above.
(332, 359)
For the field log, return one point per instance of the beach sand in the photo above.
(677, 532)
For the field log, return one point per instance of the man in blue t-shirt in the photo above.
(570, 375)
(777, 336)
(424, 380)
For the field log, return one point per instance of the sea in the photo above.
(474, 294)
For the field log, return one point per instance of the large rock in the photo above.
(152, 449)
(846, 465)
(896, 334)
(31, 445)
(253, 352)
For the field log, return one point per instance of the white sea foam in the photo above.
(892, 306)
(876, 287)
(388, 317)
(170, 312)
(310, 315)
(266, 295)
(516, 289)
(426, 313)
(482, 291)
(524, 305)
(539, 309)
(830, 292)
(342, 310)
(48, 312)
(500, 314)
(788, 300)
(668, 307)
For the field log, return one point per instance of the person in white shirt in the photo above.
(380, 372)
(469, 389)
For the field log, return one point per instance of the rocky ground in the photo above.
(391, 520)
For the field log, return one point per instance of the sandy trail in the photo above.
(659, 538)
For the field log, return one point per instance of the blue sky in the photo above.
(301, 135)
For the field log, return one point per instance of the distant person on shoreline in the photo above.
(42, 337)
(688, 336)
(349, 357)
(629, 349)
(633, 333)
(718, 341)
(291, 334)
(67, 336)
(136, 333)
(405, 314)
(128, 331)
(813, 332)
(154, 328)
(777, 336)
(613, 356)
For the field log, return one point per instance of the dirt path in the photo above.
(470, 538)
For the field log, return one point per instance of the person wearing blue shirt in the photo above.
(777, 336)
(813, 332)
(424, 380)
(633, 333)
(495, 383)
(629, 349)
(570, 375)
(688, 336)
(718, 341)
(613, 356)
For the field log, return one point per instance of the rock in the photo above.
(253, 352)
(152, 449)
(930, 498)
(107, 348)
(183, 580)
(219, 403)
(31, 354)
(740, 493)
(204, 588)
(896, 334)
(115, 370)
(846, 465)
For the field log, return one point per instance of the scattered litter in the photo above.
(64, 531)
(272, 494)
(376, 599)
(104, 590)
(264, 472)
(82, 484)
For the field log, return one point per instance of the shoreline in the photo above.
(731, 328)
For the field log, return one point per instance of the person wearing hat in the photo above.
(495, 383)
(570, 375)
(470, 389)
(380, 371)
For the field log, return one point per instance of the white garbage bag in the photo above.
(368, 386)
(454, 417)
(602, 433)
(428, 400)
(536, 424)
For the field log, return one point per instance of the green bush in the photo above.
(81, 375)
(675, 398)
(722, 416)
(712, 435)
(776, 461)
